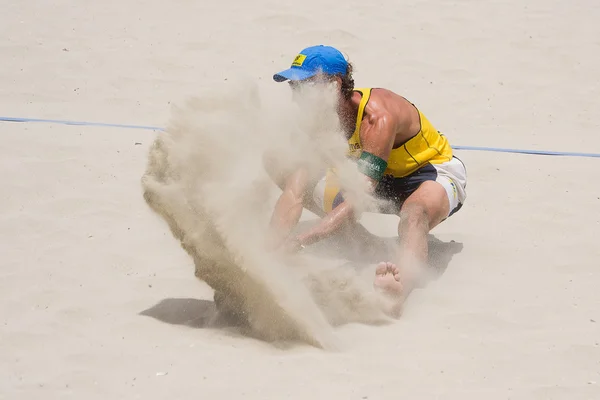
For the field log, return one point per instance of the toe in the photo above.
(395, 271)
(381, 269)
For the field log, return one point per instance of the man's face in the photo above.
(319, 81)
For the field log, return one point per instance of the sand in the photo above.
(100, 301)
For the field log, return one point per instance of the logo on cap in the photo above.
(299, 60)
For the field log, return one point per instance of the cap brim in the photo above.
(293, 74)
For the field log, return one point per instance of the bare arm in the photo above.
(288, 208)
(377, 138)
(330, 224)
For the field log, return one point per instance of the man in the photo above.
(402, 156)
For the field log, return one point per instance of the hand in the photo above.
(292, 245)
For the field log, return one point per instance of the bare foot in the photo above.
(387, 280)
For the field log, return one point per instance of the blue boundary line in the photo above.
(532, 152)
(84, 123)
(156, 128)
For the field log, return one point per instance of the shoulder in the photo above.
(383, 107)
(389, 108)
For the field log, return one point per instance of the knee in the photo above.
(414, 215)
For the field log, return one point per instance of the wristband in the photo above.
(372, 165)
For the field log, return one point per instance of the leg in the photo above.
(424, 209)
(436, 192)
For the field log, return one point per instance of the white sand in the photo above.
(515, 315)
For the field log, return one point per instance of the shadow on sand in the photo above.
(193, 313)
(360, 247)
(203, 314)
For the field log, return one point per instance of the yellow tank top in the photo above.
(427, 146)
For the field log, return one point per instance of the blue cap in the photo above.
(312, 60)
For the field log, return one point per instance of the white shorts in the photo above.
(452, 175)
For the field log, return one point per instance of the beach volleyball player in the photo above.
(405, 159)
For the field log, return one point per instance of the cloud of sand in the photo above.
(205, 177)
